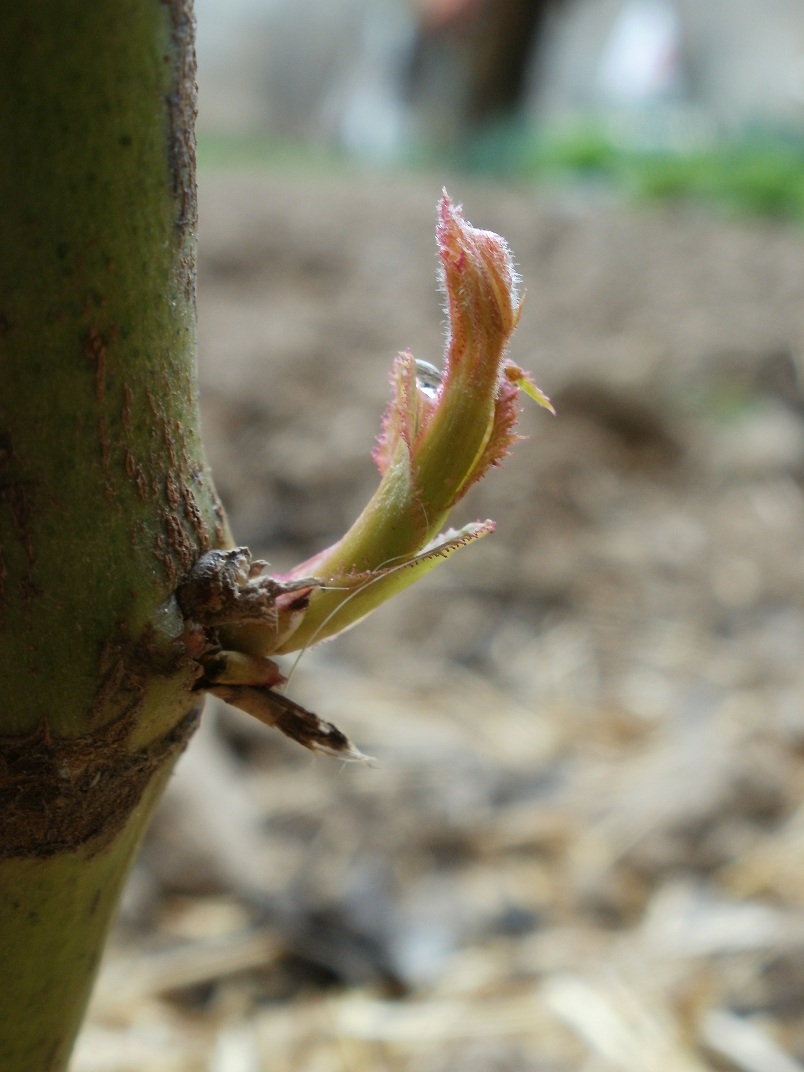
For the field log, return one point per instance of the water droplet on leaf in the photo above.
(428, 378)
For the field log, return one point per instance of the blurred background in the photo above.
(582, 844)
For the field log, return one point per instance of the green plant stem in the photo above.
(105, 499)
(55, 915)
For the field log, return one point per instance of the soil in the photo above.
(582, 844)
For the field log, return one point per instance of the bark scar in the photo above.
(56, 795)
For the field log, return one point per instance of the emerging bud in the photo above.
(441, 432)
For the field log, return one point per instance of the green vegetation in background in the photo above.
(262, 152)
(759, 174)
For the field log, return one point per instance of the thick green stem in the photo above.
(55, 915)
(105, 500)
